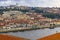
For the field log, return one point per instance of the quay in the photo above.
(6, 30)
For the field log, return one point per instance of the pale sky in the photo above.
(34, 3)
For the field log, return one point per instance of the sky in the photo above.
(32, 3)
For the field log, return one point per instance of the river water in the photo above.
(35, 34)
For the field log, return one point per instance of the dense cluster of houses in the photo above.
(18, 19)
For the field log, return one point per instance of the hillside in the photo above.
(46, 12)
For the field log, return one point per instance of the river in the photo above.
(34, 34)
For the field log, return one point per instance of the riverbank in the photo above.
(18, 29)
(34, 34)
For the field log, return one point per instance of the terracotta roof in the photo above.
(9, 37)
(51, 37)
